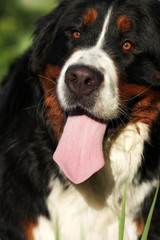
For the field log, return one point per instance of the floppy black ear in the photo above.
(45, 34)
(150, 42)
(153, 32)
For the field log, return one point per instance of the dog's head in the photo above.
(102, 57)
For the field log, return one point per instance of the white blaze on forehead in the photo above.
(104, 30)
(106, 97)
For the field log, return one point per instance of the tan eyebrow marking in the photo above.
(124, 23)
(89, 16)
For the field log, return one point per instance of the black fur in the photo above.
(27, 141)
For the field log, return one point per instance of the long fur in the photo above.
(35, 194)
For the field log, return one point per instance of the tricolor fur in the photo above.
(99, 58)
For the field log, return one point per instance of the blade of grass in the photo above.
(57, 230)
(147, 226)
(122, 218)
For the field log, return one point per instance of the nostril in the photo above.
(74, 76)
(88, 81)
(92, 81)
(70, 77)
(73, 79)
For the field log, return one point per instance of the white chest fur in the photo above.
(90, 211)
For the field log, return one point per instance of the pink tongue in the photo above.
(79, 152)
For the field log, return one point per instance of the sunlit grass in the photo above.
(122, 218)
(57, 230)
(147, 226)
(148, 222)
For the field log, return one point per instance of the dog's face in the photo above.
(101, 58)
(103, 55)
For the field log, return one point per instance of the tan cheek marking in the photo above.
(158, 76)
(124, 23)
(140, 226)
(137, 128)
(127, 90)
(54, 113)
(89, 17)
(148, 107)
(52, 72)
(28, 228)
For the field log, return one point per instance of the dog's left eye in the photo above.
(127, 45)
(76, 34)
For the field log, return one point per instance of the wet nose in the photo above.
(82, 80)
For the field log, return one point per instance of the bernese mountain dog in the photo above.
(79, 119)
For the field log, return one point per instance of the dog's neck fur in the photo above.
(100, 197)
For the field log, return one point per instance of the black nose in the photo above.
(82, 80)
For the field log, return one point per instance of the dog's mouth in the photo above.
(111, 125)
(80, 149)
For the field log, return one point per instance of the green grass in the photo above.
(17, 20)
(148, 222)
(147, 226)
(57, 230)
(122, 218)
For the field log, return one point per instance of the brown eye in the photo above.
(127, 46)
(76, 34)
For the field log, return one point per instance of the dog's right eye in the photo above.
(127, 46)
(76, 34)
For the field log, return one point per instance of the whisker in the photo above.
(122, 122)
(113, 125)
(123, 110)
(49, 79)
(34, 106)
(129, 99)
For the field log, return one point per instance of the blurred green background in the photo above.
(17, 18)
